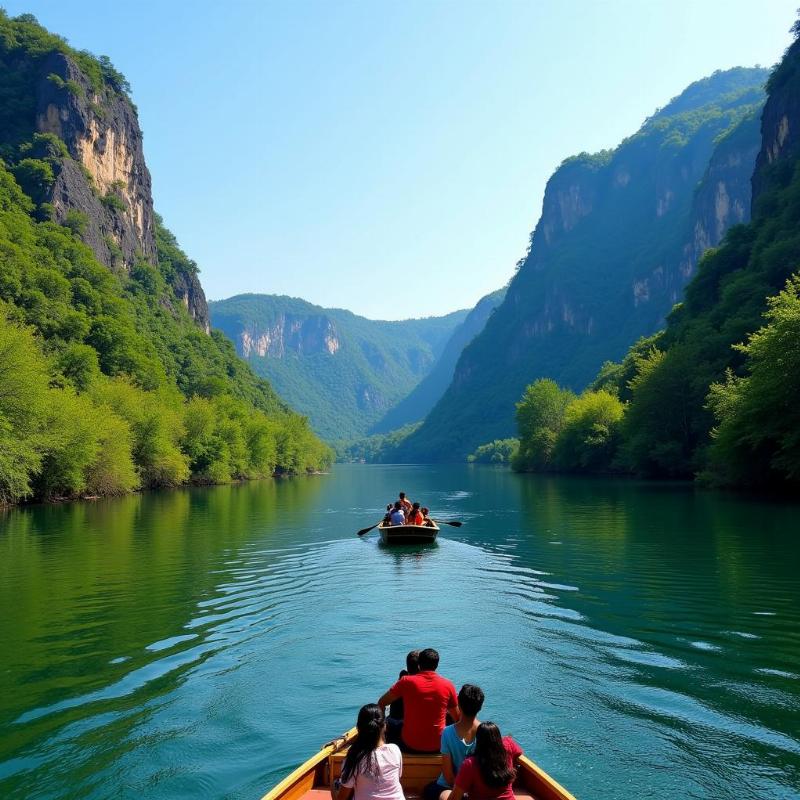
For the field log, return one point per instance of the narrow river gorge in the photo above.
(639, 640)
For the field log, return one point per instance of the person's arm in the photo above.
(452, 709)
(457, 793)
(387, 699)
(447, 769)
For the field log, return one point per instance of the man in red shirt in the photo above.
(427, 699)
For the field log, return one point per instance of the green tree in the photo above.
(590, 434)
(23, 406)
(757, 439)
(540, 418)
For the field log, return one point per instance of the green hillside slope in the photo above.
(342, 370)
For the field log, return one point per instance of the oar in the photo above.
(367, 530)
(454, 523)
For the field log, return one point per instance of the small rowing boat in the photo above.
(408, 534)
(312, 780)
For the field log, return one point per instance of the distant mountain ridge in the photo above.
(619, 237)
(416, 406)
(342, 370)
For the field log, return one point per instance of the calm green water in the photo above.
(639, 641)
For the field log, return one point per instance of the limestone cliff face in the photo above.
(106, 177)
(780, 122)
(103, 137)
(289, 335)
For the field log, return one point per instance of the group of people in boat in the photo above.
(476, 759)
(404, 512)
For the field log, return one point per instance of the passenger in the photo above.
(387, 517)
(488, 774)
(405, 502)
(427, 698)
(426, 515)
(458, 742)
(394, 722)
(397, 517)
(415, 517)
(372, 768)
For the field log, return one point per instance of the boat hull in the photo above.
(312, 780)
(408, 534)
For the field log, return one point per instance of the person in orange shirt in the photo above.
(415, 516)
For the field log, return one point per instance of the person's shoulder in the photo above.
(449, 732)
(393, 751)
(512, 745)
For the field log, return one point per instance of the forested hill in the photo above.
(416, 406)
(110, 378)
(342, 370)
(619, 236)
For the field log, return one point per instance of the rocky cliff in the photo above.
(102, 135)
(780, 124)
(86, 131)
(619, 237)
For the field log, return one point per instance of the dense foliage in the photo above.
(342, 370)
(500, 451)
(609, 255)
(106, 383)
(559, 431)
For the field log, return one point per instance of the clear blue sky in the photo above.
(390, 157)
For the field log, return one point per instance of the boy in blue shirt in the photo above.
(458, 742)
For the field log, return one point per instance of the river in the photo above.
(639, 640)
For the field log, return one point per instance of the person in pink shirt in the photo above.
(372, 768)
(489, 773)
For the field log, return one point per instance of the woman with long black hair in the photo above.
(372, 768)
(488, 774)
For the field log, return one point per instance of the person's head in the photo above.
(402, 495)
(412, 662)
(470, 700)
(428, 659)
(370, 727)
(398, 505)
(415, 507)
(425, 512)
(491, 756)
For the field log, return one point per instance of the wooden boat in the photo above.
(408, 534)
(312, 780)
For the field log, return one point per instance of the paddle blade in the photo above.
(455, 523)
(367, 530)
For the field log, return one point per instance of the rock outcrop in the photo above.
(102, 179)
(106, 178)
(290, 335)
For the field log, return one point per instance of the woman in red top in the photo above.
(488, 774)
